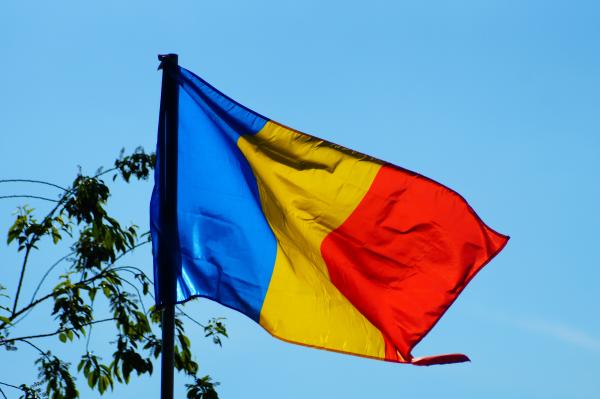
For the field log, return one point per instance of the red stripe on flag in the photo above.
(405, 254)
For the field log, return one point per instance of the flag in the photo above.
(321, 245)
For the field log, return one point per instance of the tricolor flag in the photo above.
(321, 245)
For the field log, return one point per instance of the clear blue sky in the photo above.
(499, 100)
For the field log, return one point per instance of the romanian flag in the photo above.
(321, 245)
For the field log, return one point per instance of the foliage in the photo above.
(202, 388)
(80, 221)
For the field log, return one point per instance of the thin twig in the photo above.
(89, 335)
(138, 294)
(47, 273)
(134, 270)
(190, 317)
(32, 181)
(104, 172)
(29, 196)
(88, 338)
(9, 385)
(125, 253)
(37, 348)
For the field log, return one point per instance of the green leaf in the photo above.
(90, 380)
(102, 385)
(107, 291)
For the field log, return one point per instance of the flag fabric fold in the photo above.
(321, 245)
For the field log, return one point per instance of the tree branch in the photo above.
(61, 330)
(26, 308)
(27, 251)
(49, 215)
(9, 385)
(40, 285)
(82, 282)
(105, 172)
(36, 302)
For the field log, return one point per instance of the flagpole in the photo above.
(168, 260)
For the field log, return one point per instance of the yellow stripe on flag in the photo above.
(308, 188)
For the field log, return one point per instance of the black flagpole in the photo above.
(168, 258)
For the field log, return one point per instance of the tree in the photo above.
(95, 279)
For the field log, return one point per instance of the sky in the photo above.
(498, 100)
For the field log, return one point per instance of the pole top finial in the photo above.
(170, 59)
